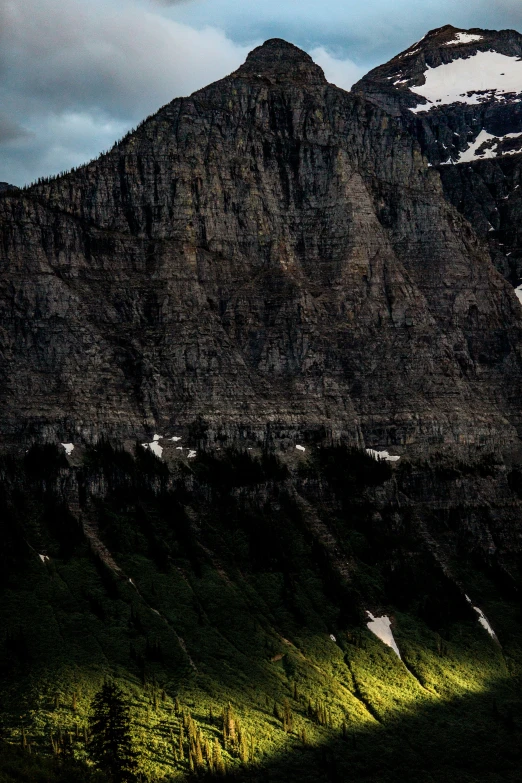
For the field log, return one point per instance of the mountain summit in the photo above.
(459, 92)
(281, 62)
(474, 73)
(450, 66)
(269, 258)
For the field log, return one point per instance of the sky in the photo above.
(75, 75)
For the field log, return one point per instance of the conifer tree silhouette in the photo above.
(111, 745)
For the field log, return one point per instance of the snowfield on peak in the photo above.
(483, 75)
(464, 38)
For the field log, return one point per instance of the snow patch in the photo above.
(44, 558)
(483, 620)
(154, 447)
(332, 637)
(176, 438)
(157, 437)
(485, 75)
(464, 38)
(300, 448)
(68, 448)
(471, 153)
(191, 454)
(382, 455)
(381, 627)
(518, 290)
(467, 156)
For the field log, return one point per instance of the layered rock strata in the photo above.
(269, 256)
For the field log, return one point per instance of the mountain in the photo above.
(460, 94)
(451, 76)
(308, 568)
(268, 259)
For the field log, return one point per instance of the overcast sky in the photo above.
(75, 75)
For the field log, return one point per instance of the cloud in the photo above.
(11, 131)
(343, 73)
(502, 13)
(82, 71)
(102, 56)
(76, 74)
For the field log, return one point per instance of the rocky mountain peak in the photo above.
(467, 82)
(264, 259)
(459, 93)
(450, 65)
(281, 62)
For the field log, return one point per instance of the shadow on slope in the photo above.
(467, 739)
(249, 584)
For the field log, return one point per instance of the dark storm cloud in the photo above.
(110, 56)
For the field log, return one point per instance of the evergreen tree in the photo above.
(229, 726)
(110, 745)
(288, 719)
(217, 758)
(198, 752)
(181, 743)
(243, 748)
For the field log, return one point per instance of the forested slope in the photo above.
(235, 587)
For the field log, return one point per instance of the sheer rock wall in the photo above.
(271, 257)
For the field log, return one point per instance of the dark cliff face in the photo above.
(271, 255)
(488, 193)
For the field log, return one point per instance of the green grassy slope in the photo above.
(240, 583)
